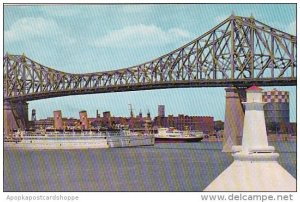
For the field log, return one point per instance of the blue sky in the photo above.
(94, 38)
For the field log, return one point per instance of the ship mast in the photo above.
(131, 110)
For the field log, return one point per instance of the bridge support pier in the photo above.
(234, 118)
(15, 116)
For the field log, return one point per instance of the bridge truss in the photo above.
(239, 51)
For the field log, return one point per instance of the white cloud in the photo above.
(61, 10)
(32, 28)
(140, 35)
(179, 33)
(291, 28)
(136, 8)
(29, 28)
(221, 18)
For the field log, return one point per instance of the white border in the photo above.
(130, 196)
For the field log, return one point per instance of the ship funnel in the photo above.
(58, 123)
(84, 120)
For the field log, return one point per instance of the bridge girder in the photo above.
(239, 51)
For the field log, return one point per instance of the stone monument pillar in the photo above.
(234, 118)
(15, 116)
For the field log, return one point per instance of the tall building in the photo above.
(106, 120)
(58, 123)
(161, 110)
(33, 115)
(84, 122)
(277, 109)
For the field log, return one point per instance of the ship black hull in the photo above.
(177, 140)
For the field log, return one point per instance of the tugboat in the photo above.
(173, 135)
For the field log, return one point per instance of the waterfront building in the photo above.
(161, 110)
(277, 111)
(180, 122)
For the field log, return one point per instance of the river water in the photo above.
(163, 167)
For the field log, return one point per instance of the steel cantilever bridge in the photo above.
(239, 51)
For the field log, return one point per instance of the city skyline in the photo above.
(81, 39)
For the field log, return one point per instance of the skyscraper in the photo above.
(161, 110)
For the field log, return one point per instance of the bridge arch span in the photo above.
(239, 51)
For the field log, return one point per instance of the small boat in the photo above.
(126, 138)
(174, 135)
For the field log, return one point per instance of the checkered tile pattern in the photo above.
(276, 96)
